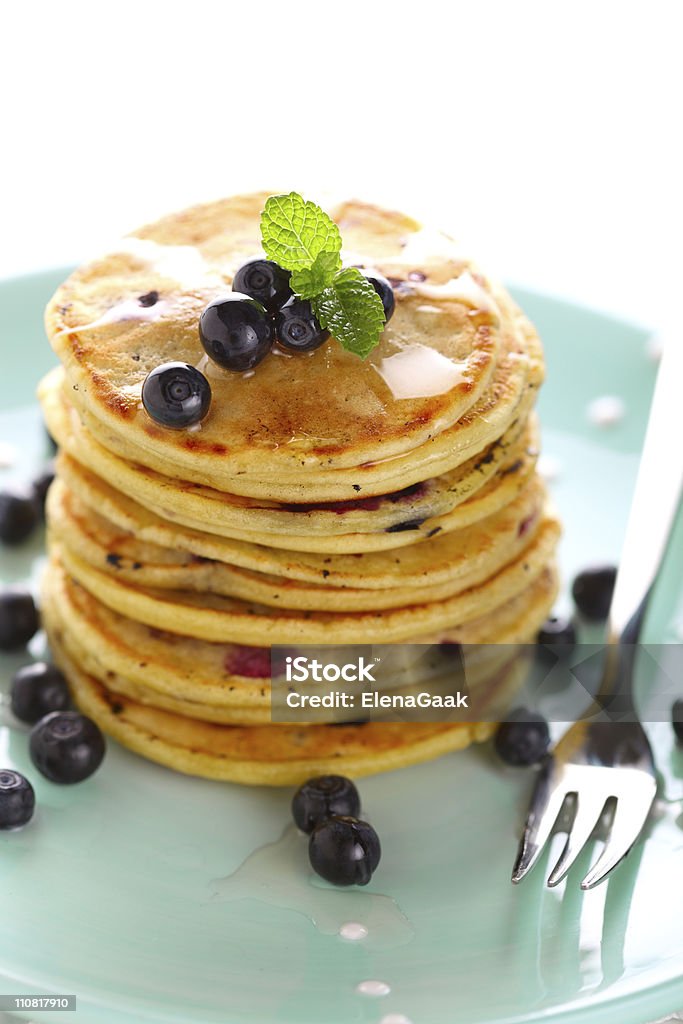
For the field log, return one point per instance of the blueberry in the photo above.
(297, 328)
(176, 395)
(384, 290)
(322, 798)
(236, 332)
(592, 591)
(19, 514)
(17, 799)
(18, 618)
(264, 281)
(66, 746)
(557, 636)
(523, 739)
(41, 484)
(677, 719)
(344, 850)
(36, 690)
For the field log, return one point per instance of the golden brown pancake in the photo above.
(299, 427)
(441, 567)
(206, 680)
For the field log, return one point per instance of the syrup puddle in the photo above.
(279, 875)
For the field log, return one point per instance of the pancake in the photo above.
(441, 567)
(267, 755)
(324, 500)
(286, 418)
(207, 510)
(517, 375)
(212, 617)
(198, 678)
(372, 569)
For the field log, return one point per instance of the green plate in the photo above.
(110, 892)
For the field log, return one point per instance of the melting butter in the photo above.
(462, 289)
(420, 372)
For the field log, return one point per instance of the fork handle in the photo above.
(655, 502)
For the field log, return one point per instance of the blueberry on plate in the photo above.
(324, 797)
(384, 290)
(17, 799)
(19, 619)
(236, 332)
(297, 328)
(42, 483)
(264, 281)
(66, 746)
(176, 395)
(677, 719)
(19, 514)
(592, 591)
(344, 850)
(36, 690)
(523, 739)
(557, 636)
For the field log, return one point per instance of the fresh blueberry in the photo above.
(523, 739)
(264, 281)
(236, 332)
(176, 395)
(384, 290)
(557, 636)
(17, 799)
(19, 514)
(322, 798)
(297, 328)
(677, 719)
(592, 591)
(18, 618)
(66, 746)
(36, 690)
(344, 850)
(41, 484)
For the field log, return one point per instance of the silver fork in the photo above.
(599, 761)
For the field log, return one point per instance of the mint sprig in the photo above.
(352, 311)
(300, 237)
(311, 281)
(294, 232)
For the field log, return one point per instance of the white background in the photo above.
(545, 135)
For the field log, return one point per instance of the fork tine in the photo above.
(630, 816)
(546, 804)
(588, 810)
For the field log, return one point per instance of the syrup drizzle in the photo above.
(278, 874)
(128, 309)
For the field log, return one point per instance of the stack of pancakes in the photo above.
(324, 500)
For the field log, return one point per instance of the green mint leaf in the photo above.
(351, 310)
(294, 232)
(311, 281)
